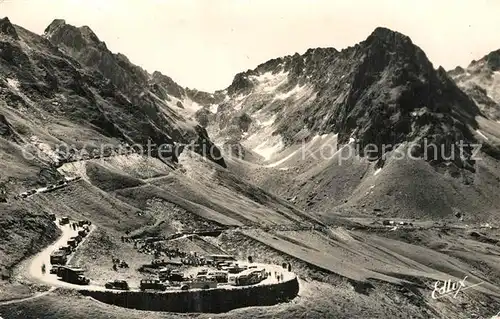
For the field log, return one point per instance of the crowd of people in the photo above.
(159, 249)
(278, 276)
(117, 263)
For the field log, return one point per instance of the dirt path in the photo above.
(35, 296)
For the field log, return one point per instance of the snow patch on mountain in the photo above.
(188, 107)
(267, 122)
(13, 83)
(322, 145)
(269, 148)
(482, 135)
(213, 108)
(297, 92)
(268, 82)
(240, 99)
(283, 160)
(191, 105)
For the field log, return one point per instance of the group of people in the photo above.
(118, 263)
(127, 240)
(287, 266)
(278, 276)
(157, 249)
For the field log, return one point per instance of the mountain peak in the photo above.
(61, 32)
(7, 28)
(388, 36)
(493, 60)
(89, 34)
(54, 25)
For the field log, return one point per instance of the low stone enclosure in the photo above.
(208, 301)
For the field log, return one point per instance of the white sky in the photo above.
(204, 43)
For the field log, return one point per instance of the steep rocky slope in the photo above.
(380, 98)
(166, 103)
(79, 94)
(381, 91)
(82, 44)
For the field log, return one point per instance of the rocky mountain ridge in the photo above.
(383, 90)
(481, 81)
(365, 105)
(82, 44)
(67, 87)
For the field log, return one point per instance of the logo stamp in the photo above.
(450, 288)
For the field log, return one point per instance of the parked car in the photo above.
(151, 284)
(199, 283)
(66, 249)
(54, 270)
(82, 233)
(117, 284)
(72, 275)
(77, 238)
(176, 276)
(83, 222)
(202, 272)
(219, 276)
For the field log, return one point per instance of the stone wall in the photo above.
(208, 301)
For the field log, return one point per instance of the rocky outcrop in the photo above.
(481, 81)
(493, 60)
(205, 147)
(241, 84)
(84, 45)
(6, 28)
(143, 99)
(164, 86)
(23, 234)
(5, 128)
(7, 131)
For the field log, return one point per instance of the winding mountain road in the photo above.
(34, 269)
